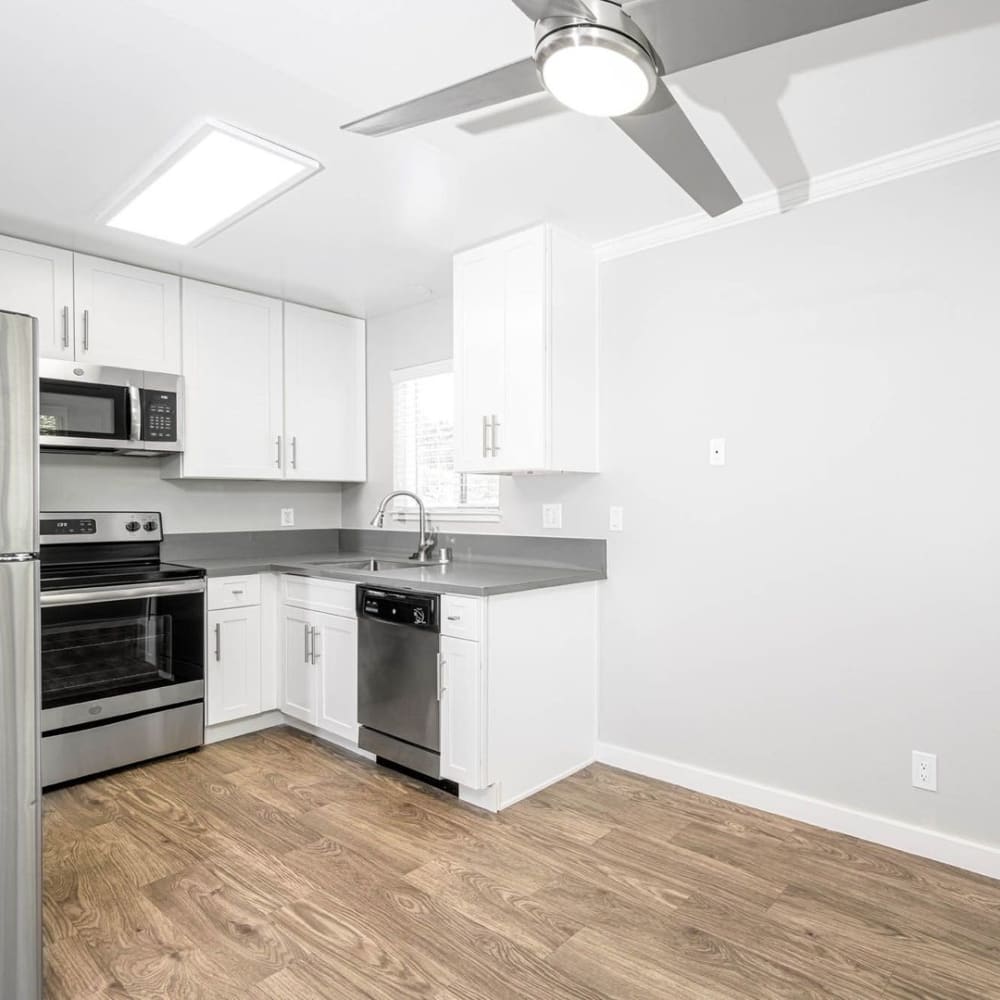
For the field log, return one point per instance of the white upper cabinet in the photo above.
(127, 317)
(526, 355)
(324, 395)
(233, 385)
(38, 281)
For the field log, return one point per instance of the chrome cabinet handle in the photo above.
(277, 445)
(295, 453)
(315, 655)
(486, 433)
(454, 618)
(86, 329)
(218, 641)
(494, 426)
(440, 676)
(65, 318)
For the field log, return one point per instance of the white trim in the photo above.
(975, 142)
(933, 844)
(322, 734)
(432, 368)
(446, 515)
(240, 727)
(520, 796)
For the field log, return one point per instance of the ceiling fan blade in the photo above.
(688, 33)
(667, 136)
(539, 9)
(517, 114)
(516, 80)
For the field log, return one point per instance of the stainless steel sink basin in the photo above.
(368, 565)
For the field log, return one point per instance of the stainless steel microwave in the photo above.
(95, 408)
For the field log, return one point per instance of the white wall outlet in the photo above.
(288, 517)
(551, 515)
(717, 451)
(616, 521)
(925, 771)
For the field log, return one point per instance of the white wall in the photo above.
(827, 602)
(111, 482)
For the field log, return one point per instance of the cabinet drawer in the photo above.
(460, 617)
(330, 596)
(233, 592)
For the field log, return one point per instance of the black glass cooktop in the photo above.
(59, 577)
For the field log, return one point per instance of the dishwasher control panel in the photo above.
(396, 607)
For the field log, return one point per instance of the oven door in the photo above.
(111, 652)
(97, 409)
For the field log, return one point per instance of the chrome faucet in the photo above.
(426, 543)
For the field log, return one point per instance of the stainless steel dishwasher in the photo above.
(399, 678)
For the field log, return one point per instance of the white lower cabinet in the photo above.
(463, 723)
(319, 683)
(233, 689)
(337, 659)
(298, 675)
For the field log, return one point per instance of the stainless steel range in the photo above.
(122, 645)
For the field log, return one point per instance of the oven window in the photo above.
(69, 409)
(96, 651)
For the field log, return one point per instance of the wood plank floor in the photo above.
(274, 867)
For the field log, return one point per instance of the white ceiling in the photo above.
(94, 90)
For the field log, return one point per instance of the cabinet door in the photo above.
(479, 355)
(127, 317)
(298, 676)
(38, 281)
(520, 439)
(324, 395)
(233, 384)
(233, 675)
(463, 724)
(336, 650)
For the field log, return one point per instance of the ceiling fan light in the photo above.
(595, 70)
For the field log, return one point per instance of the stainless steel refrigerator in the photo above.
(20, 785)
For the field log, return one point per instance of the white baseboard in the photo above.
(504, 803)
(240, 727)
(951, 850)
(322, 734)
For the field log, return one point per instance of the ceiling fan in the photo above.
(605, 58)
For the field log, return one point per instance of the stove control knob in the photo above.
(150, 526)
(133, 526)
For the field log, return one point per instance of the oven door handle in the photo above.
(100, 595)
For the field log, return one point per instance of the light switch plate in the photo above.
(717, 451)
(551, 515)
(616, 522)
(288, 517)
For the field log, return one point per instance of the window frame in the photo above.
(482, 515)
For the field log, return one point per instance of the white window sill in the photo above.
(439, 516)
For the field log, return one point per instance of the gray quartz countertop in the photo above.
(460, 577)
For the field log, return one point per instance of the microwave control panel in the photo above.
(159, 415)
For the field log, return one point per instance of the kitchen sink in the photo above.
(368, 565)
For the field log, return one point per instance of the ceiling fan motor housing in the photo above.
(609, 29)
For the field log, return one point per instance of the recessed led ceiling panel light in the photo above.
(219, 175)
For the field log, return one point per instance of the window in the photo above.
(423, 420)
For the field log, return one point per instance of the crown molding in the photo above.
(954, 148)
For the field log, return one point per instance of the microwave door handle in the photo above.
(135, 413)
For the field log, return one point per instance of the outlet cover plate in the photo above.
(925, 771)
(552, 515)
(288, 517)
